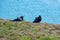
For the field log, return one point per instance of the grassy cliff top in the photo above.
(28, 31)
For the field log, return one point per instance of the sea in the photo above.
(49, 10)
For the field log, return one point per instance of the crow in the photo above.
(37, 19)
(18, 19)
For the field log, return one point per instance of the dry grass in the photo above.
(28, 31)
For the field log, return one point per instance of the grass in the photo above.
(28, 31)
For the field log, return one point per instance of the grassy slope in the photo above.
(28, 31)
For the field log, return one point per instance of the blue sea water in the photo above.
(48, 9)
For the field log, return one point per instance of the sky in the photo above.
(48, 9)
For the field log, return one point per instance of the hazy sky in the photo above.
(48, 9)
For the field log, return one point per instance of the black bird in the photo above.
(19, 19)
(37, 19)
